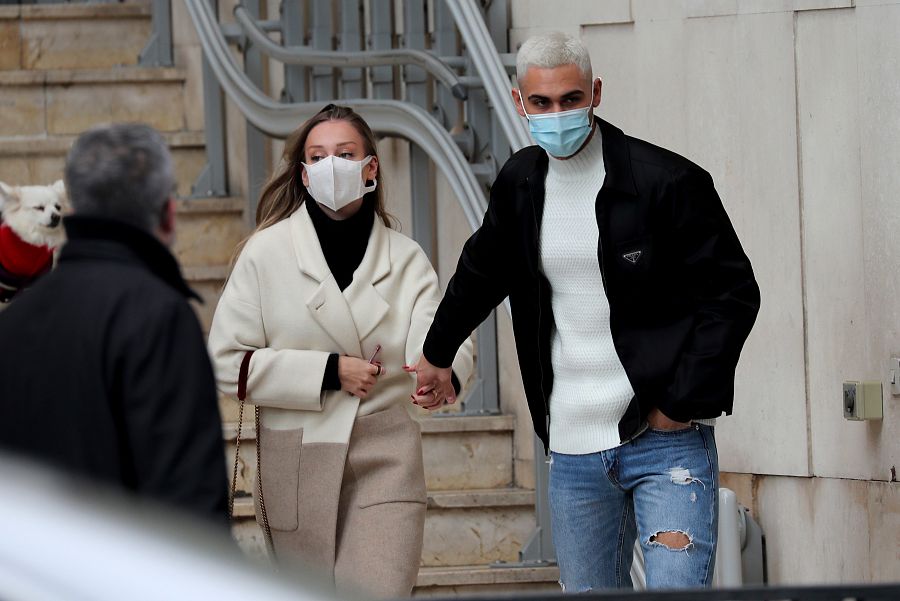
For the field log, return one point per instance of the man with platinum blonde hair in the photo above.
(631, 299)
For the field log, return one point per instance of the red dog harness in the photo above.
(21, 263)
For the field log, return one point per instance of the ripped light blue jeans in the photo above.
(661, 482)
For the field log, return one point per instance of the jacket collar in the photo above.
(351, 315)
(616, 160)
(111, 240)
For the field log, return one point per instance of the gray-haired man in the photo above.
(105, 371)
(631, 299)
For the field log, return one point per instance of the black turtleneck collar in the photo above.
(343, 241)
(94, 237)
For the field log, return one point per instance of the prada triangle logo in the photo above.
(633, 257)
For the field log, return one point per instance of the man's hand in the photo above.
(658, 421)
(433, 384)
(358, 376)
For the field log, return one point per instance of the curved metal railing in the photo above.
(302, 55)
(389, 117)
(480, 45)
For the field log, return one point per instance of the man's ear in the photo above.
(517, 101)
(165, 230)
(598, 88)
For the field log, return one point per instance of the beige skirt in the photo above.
(356, 513)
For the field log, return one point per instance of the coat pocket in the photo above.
(386, 459)
(280, 477)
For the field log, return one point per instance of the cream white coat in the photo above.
(282, 301)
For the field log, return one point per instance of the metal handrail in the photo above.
(490, 67)
(392, 117)
(306, 56)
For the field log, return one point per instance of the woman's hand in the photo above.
(434, 384)
(358, 376)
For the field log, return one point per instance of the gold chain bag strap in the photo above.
(242, 396)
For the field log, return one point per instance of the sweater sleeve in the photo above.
(283, 378)
(332, 379)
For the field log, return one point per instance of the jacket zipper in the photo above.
(641, 427)
(537, 243)
(600, 250)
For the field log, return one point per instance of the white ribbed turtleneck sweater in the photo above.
(590, 388)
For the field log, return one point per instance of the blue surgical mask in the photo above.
(561, 134)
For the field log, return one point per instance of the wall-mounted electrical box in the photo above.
(894, 376)
(862, 400)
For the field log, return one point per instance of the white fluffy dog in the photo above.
(35, 212)
(30, 233)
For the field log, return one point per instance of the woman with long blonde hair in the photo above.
(325, 309)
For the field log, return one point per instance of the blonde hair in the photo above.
(550, 50)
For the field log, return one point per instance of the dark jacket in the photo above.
(681, 291)
(105, 372)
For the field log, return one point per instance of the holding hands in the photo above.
(433, 384)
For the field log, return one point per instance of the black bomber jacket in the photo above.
(681, 291)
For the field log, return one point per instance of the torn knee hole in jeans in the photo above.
(674, 540)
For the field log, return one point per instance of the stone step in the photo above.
(60, 102)
(488, 580)
(476, 526)
(34, 160)
(461, 527)
(73, 36)
(460, 453)
(208, 231)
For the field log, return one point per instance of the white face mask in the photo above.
(336, 182)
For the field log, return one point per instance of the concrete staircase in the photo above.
(66, 67)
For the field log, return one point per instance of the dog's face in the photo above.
(35, 212)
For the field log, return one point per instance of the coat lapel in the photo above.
(326, 304)
(366, 304)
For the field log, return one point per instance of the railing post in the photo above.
(381, 26)
(445, 43)
(539, 548)
(256, 140)
(213, 178)
(322, 39)
(498, 25)
(158, 51)
(353, 84)
(421, 180)
(293, 31)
